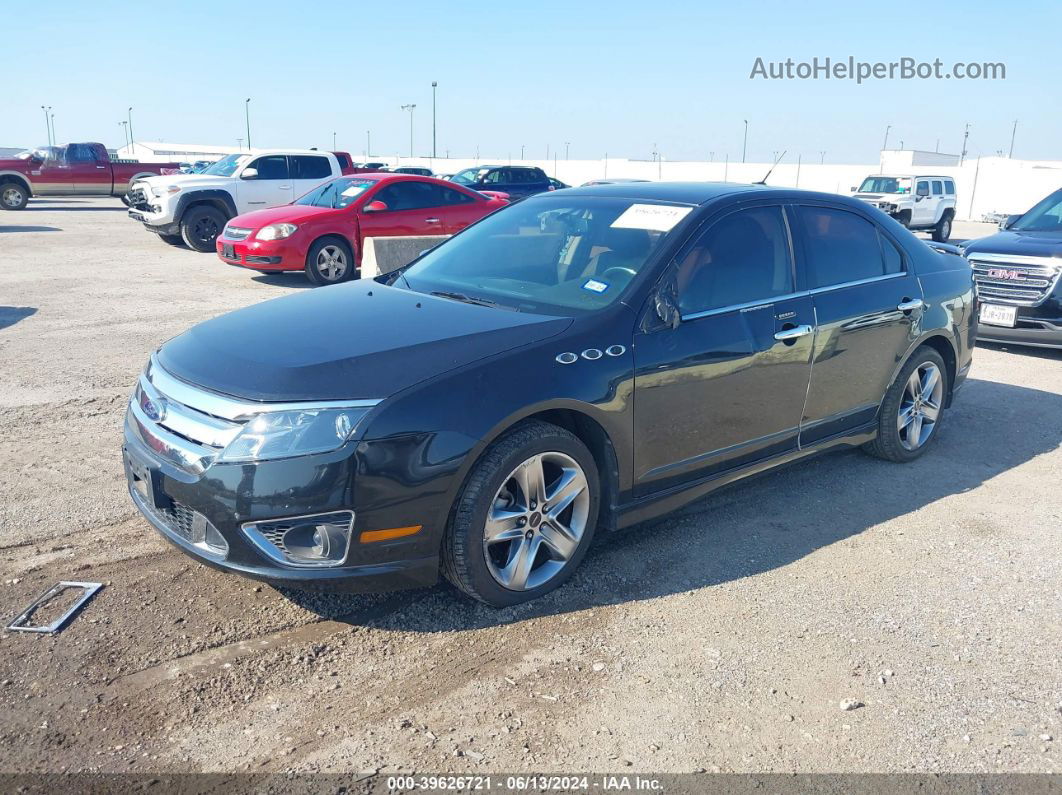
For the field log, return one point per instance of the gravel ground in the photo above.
(727, 637)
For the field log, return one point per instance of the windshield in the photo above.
(1043, 217)
(227, 166)
(338, 193)
(886, 185)
(548, 256)
(468, 176)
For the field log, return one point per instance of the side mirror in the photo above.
(1010, 220)
(249, 173)
(375, 207)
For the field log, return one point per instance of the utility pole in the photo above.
(132, 140)
(521, 151)
(1013, 132)
(566, 145)
(125, 131)
(885, 143)
(47, 124)
(547, 151)
(965, 137)
(55, 138)
(333, 141)
(410, 108)
(247, 117)
(822, 157)
(368, 144)
(726, 166)
(239, 144)
(745, 141)
(434, 85)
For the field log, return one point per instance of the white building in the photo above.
(165, 152)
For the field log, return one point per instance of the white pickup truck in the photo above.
(918, 202)
(193, 208)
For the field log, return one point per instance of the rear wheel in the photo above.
(942, 231)
(13, 196)
(525, 518)
(912, 409)
(201, 226)
(330, 261)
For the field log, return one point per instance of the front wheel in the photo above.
(525, 518)
(329, 261)
(201, 226)
(125, 200)
(13, 196)
(912, 409)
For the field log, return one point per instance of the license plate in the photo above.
(996, 315)
(228, 251)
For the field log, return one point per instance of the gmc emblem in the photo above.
(1002, 273)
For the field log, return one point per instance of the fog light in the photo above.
(319, 540)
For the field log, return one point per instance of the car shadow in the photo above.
(8, 229)
(757, 525)
(34, 206)
(10, 315)
(294, 280)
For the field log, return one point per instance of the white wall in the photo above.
(984, 185)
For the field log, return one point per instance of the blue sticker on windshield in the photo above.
(594, 286)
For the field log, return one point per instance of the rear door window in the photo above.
(949, 188)
(938, 188)
(310, 167)
(841, 247)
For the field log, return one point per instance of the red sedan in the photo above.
(322, 232)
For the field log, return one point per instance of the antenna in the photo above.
(776, 162)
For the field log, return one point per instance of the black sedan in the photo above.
(571, 364)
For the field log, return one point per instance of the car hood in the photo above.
(1029, 244)
(187, 181)
(349, 341)
(290, 213)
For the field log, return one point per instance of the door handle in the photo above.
(785, 335)
(101, 166)
(283, 187)
(431, 220)
(908, 305)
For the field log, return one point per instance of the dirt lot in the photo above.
(723, 638)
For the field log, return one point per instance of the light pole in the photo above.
(410, 108)
(132, 142)
(55, 138)
(745, 142)
(521, 151)
(566, 145)
(239, 143)
(125, 132)
(965, 136)
(368, 144)
(333, 141)
(1013, 132)
(822, 157)
(885, 143)
(247, 119)
(47, 124)
(434, 85)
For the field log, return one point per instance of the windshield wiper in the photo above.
(468, 299)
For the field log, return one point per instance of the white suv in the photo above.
(193, 208)
(917, 202)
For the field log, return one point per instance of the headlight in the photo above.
(284, 434)
(157, 192)
(276, 231)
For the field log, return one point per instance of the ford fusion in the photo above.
(575, 363)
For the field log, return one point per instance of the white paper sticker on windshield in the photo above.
(655, 217)
(354, 190)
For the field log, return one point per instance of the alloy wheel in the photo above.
(332, 263)
(536, 521)
(12, 197)
(206, 230)
(920, 406)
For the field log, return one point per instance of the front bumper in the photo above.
(1035, 332)
(230, 495)
(262, 255)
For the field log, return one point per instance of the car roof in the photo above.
(696, 193)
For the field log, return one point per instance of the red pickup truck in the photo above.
(71, 170)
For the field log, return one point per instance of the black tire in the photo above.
(942, 231)
(890, 444)
(464, 553)
(338, 253)
(13, 196)
(904, 217)
(201, 226)
(173, 240)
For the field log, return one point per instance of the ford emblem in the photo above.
(154, 411)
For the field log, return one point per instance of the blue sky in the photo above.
(615, 77)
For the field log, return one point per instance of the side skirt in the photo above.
(663, 502)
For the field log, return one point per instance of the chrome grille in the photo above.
(1014, 279)
(236, 233)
